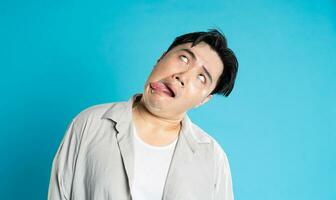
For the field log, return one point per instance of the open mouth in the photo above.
(162, 87)
(172, 93)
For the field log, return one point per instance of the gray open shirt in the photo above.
(95, 160)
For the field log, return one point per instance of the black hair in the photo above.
(217, 41)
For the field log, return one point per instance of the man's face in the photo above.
(183, 78)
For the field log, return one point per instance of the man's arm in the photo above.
(223, 184)
(63, 166)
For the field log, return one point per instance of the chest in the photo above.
(107, 167)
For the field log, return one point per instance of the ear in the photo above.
(204, 100)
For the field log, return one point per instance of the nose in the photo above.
(179, 78)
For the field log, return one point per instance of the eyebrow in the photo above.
(194, 57)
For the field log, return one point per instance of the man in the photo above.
(147, 148)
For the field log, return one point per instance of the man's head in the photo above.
(195, 66)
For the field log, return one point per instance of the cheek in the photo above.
(195, 94)
(197, 89)
(164, 69)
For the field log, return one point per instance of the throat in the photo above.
(155, 138)
(145, 122)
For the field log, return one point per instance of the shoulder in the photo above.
(93, 114)
(220, 159)
(212, 144)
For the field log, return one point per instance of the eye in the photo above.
(202, 78)
(184, 59)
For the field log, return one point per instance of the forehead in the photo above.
(205, 55)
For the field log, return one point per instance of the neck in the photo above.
(148, 121)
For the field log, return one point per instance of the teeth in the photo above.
(152, 91)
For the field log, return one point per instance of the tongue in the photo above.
(161, 87)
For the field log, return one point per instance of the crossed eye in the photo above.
(184, 59)
(201, 77)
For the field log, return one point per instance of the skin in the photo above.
(157, 116)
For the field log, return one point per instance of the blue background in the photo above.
(277, 127)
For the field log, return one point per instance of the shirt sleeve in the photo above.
(223, 184)
(63, 166)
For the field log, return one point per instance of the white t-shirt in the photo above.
(151, 164)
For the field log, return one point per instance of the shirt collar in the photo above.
(121, 115)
